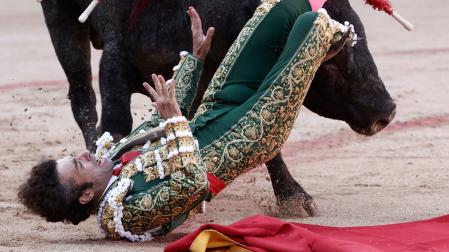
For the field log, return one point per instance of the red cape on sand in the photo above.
(263, 233)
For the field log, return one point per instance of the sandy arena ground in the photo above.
(401, 174)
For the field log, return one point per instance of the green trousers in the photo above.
(253, 57)
(253, 100)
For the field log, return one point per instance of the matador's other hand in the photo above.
(201, 42)
(164, 100)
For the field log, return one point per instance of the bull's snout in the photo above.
(378, 120)
(383, 122)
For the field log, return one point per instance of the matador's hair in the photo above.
(46, 196)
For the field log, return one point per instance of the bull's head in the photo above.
(348, 87)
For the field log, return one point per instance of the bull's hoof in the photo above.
(297, 206)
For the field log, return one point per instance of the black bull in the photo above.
(138, 41)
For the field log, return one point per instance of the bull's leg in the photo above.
(291, 198)
(117, 74)
(71, 42)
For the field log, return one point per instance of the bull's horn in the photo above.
(407, 25)
(83, 17)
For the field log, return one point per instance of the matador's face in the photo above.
(85, 168)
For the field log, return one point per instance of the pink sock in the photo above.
(316, 4)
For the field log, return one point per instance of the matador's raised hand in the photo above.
(201, 42)
(164, 100)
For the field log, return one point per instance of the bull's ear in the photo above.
(86, 197)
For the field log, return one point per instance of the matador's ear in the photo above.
(87, 196)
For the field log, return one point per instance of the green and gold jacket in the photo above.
(156, 191)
